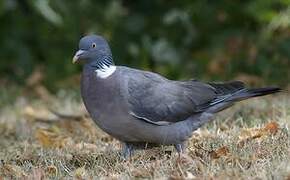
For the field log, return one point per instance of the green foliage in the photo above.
(181, 39)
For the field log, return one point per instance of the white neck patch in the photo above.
(105, 71)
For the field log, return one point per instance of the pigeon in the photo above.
(144, 109)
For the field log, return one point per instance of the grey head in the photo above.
(94, 51)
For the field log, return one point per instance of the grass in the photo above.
(249, 141)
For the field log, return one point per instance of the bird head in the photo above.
(93, 50)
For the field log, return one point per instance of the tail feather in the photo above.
(224, 101)
(249, 93)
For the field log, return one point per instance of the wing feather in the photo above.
(157, 100)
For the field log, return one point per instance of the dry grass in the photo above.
(243, 142)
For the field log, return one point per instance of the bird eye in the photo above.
(94, 45)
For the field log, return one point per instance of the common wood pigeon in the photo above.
(142, 108)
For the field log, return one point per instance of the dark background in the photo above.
(209, 40)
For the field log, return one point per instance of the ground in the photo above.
(54, 138)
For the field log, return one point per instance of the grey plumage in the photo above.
(139, 107)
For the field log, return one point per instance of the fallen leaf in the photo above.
(251, 133)
(272, 127)
(51, 170)
(223, 151)
(51, 139)
(257, 133)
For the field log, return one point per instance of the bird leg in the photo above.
(179, 147)
(182, 156)
(127, 150)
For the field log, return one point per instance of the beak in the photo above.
(77, 56)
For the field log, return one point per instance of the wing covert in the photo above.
(160, 101)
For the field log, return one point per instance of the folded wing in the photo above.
(160, 101)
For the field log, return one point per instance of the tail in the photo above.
(249, 93)
(229, 93)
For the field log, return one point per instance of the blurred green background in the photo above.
(209, 40)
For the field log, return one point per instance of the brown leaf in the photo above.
(248, 135)
(272, 127)
(251, 133)
(257, 133)
(223, 151)
(51, 170)
(45, 138)
(51, 139)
